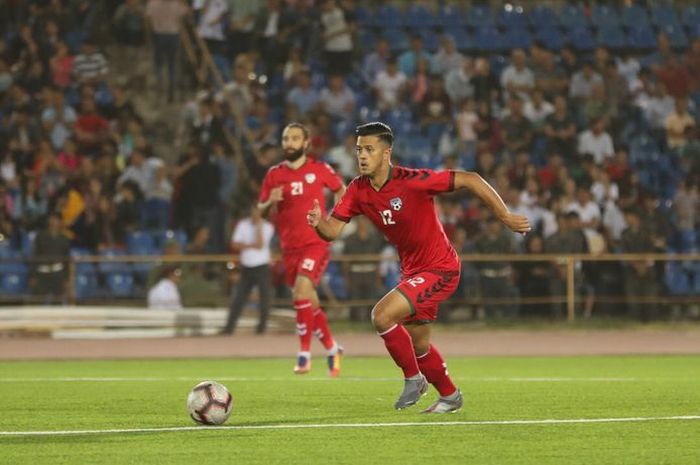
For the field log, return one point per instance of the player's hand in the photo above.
(314, 215)
(276, 194)
(517, 223)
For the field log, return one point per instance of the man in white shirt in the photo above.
(165, 294)
(597, 142)
(212, 17)
(588, 211)
(517, 78)
(389, 85)
(252, 238)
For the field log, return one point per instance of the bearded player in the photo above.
(399, 201)
(290, 188)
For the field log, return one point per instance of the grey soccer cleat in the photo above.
(446, 405)
(413, 390)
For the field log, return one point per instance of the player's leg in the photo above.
(434, 368)
(312, 266)
(303, 306)
(387, 316)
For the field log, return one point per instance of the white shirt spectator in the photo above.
(600, 145)
(388, 88)
(537, 115)
(602, 193)
(523, 77)
(333, 23)
(458, 85)
(165, 15)
(211, 20)
(588, 212)
(164, 296)
(61, 124)
(338, 104)
(614, 220)
(245, 234)
(582, 86)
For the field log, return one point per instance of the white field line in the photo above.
(63, 379)
(351, 425)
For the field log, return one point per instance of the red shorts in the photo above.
(309, 261)
(425, 291)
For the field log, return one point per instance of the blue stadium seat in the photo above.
(604, 16)
(571, 16)
(389, 16)
(612, 37)
(85, 286)
(13, 284)
(512, 17)
(487, 39)
(641, 38)
(163, 236)
(542, 17)
(115, 266)
(634, 16)
(366, 40)
(463, 40)
(691, 16)
(419, 17)
(398, 41)
(120, 284)
(664, 15)
(676, 279)
(676, 35)
(551, 37)
(431, 42)
(479, 16)
(27, 242)
(517, 38)
(364, 17)
(414, 147)
(82, 267)
(141, 243)
(450, 16)
(582, 39)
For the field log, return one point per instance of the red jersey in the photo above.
(299, 189)
(404, 210)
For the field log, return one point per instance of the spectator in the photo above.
(376, 62)
(550, 78)
(91, 129)
(537, 109)
(533, 277)
(583, 82)
(486, 86)
(435, 110)
(465, 122)
(90, 66)
(251, 239)
(596, 142)
(676, 124)
(408, 60)
(389, 86)
(58, 119)
(211, 25)
(686, 204)
(675, 77)
(130, 28)
(517, 130)
(343, 157)
(61, 66)
(494, 277)
(338, 27)
(640, 277)
(598, 106)
(338, 100)
(165, 295)
(164, 18)
(458, 83)
(587, 211)
(517, 78)
(362, 276)
(447, 58)
(303, 96)
(51, 252)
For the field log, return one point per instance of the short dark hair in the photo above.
(303, 128)
(375, 128)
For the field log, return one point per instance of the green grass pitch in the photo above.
(117, 395)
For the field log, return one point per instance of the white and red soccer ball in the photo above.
(209, 403)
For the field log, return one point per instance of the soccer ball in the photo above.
(209, 403)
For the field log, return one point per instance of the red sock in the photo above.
(398, 343)
(305, 323)
(433, 366)
(322, 330)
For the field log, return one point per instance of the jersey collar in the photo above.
(388, 178)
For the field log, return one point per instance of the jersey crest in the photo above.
(396, 203)
(310, 178)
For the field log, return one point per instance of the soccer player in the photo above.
(399, 201)
(291, 188)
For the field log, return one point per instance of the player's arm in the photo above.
(479, 187)
(329, 229)
(274, 198)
